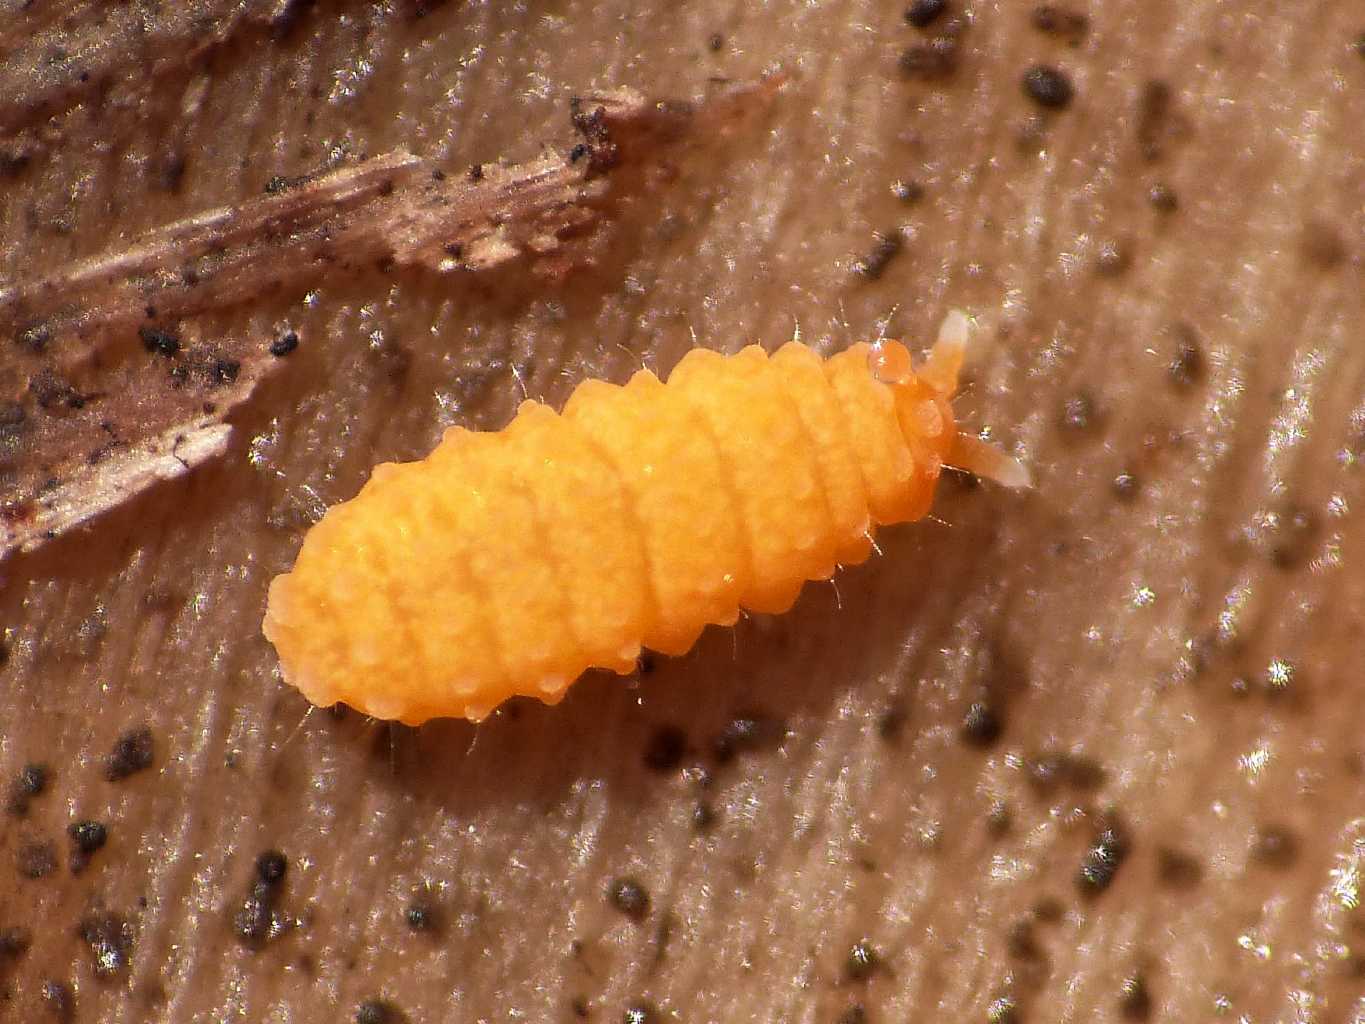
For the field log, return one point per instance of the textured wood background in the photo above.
(1091, 752)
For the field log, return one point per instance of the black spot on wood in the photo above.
(1049, 87)
(886, 246)
(923, 13)
(256, 920)
(271, 867)
(422, 916)
(87, 839)
(630, 897)
(665, 749)
(1050, 770)
(29, 783)
(907, 192)
(1126, 486)
(1101, 863)
(133, 752)
(14, 943)
(1163, 198)
(1154, 119)
(1062, 22)
(1135, 999)
(1189, 364)
(891, 721)
(159, 342)
(36, 858)
(981, 726)
(1079, 414)
(863, 961)
(934, 61)
(110, 940)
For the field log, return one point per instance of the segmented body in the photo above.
(509, 562)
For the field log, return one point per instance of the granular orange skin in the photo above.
(508, 563)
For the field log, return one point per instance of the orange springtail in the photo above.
(509, 562)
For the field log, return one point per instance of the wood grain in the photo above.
(1089, 752)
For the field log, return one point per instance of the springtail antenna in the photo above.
(944, 361)
(988, 462)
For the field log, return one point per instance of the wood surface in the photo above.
(1087, 752)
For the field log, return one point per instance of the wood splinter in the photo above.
(83, 378)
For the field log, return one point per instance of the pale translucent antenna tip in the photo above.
(988, 462)
(941, 368)
(955, 329)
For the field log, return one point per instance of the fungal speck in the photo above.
(1163, 198)
(923, 13)
(132, 753)
(885, 248)
(1003, 1009)
(87, 838)
(159, 342)
(907, 192)
(629, 897)
(30, 782)
(891, 721)
(422, 916)
(284, 344)
(1102, 861)
(1135, 999)
(1048, 87)
(929, 62)
(256, 921)
(1051, 769)
(981, 727)
(110, 940)
(1059, 21)
(1126, 485)
(862, 962)
(14, 943)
